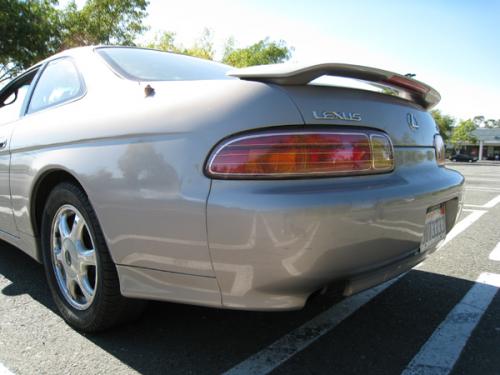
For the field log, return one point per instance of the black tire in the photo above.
(108, 307)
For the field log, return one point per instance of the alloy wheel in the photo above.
(74, 257)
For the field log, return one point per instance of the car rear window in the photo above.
(140, 64)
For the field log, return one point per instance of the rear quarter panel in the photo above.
(140, 161)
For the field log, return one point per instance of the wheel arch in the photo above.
(42, 187)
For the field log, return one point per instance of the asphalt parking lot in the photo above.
(441, 317)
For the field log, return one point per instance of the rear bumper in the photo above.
(274, 243)
(360, 282)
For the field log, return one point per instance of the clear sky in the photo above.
(452, 45)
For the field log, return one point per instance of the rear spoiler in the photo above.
(290, 74)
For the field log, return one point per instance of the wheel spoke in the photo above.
(56, 242)
(64, 230)
(86, 289)
(58, 254)
(70, 285)
(86, 257)
(77, 228)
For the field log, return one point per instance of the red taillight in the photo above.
(406, 83)
(301, 154)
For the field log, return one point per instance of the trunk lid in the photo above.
(403, 117)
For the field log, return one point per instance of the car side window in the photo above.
(58, 83)
(12, 98)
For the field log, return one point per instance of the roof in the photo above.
(488, 135)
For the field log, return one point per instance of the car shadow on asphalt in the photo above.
(169, 336)
(175, 338)
(26, 275)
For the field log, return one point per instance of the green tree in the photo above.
(30, 31)
(491, 123)
(164, 41)
(482, 122)
(478, 121)
(462, 133)
(33, 30)
(103, 22)
(261, 53)
(444, 123)
(203, 47)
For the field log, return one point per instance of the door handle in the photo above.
(3, 142)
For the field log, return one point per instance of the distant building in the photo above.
(487, 146)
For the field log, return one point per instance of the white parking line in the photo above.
(482, 179)
(459, 228)
(440, 353)
(287, 346)
(495, 254)
(482, 188)
(490, 204)
(4, 370)
(463, 225)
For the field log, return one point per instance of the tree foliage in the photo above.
(478, 121)
(263, 52)
(444, 123)
(30, 31)
(103, 22)
(203, 47)
(483, 122)
(164, 41)
(491, 123)
(462, 133)
(35, 29)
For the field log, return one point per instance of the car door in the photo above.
(13, 100)
(57, 84)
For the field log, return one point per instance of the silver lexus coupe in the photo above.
(134, 174)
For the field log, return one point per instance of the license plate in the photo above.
(435, 228)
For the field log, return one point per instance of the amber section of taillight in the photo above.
(301, 154)
(382, 153)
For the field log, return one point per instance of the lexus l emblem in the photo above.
(412, 121)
